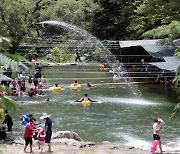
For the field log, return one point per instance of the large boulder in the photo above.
(66, 134)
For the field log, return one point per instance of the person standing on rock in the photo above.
(48, 130)
(28, 134)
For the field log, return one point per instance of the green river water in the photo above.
(123, 113)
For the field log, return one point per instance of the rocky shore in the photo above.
(67, 142)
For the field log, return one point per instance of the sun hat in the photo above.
(45, 115)
(160, 120)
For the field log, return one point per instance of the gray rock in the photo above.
(67, 134)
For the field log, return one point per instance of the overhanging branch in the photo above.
(36, 6)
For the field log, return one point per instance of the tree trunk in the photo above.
(14, 47)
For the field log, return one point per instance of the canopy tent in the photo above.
(172, 63)
(176, 43)
(4, 78)
(153, 47)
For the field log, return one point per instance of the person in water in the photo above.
(85, 98)
(88, 85)
(156, 131)
(56, 85)
(75, 83)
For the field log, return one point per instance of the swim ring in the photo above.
(75, 87)
(25, 120)
(55, 88)
(85, 102)
(106, 69)
(117, 78)
(1, 111)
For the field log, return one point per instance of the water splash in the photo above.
(103, 54)
(133, 101)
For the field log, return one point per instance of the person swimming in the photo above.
(75, 83)
(85, 98)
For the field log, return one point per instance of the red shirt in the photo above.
(28, 132)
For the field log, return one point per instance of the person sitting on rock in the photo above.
(3, 134)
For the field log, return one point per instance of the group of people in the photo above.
(30, 131)
(42, 135)
(118, 69)
(26, 84)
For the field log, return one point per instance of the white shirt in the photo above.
(156, 128)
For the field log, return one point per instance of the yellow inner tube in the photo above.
(1, 110)
(75, 87)
(55, 88)
(85, 102)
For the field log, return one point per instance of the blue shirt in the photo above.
(49, 124)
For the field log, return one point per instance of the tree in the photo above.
(74, 12)
(169, 33)
(153, 13)
(6, 102)
(17, 18)
(112, 18)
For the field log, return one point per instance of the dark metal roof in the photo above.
(153, 47)
(171, 64)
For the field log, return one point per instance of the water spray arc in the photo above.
(104, 55)
(110, 59)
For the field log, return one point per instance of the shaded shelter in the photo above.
(155, 49)
(172, 63)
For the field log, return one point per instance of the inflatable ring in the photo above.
(85, 102)
(117, 78)
(25, 120)
(106, 69)
(1, 111)
(75, 87)
(55, 88)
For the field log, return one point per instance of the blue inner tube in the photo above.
(25, 120)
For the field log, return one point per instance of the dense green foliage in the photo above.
(106, 19)
(112, 18)
(153, 13)
(61, 55)
(7, 103)
(75, 12)
(16, 19)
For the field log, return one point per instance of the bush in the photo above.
(61, 55)
(16, 57)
